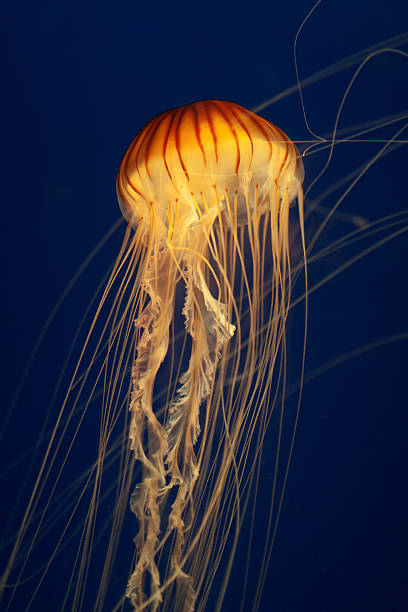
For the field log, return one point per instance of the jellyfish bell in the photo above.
(199, 153)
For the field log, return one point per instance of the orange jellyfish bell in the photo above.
(207, 188)
(198, 153)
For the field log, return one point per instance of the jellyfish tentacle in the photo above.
(207, 323)
(159, 283)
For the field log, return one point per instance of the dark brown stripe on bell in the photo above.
(173, 115)
(244, 127)
(197, 132)
(177, 134)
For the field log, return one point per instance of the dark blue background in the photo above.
(79, 80)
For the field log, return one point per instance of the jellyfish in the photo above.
(207, 188)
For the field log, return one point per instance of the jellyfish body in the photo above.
(207, 188)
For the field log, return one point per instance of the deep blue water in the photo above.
(80, 79)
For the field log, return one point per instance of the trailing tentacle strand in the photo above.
(206, 321)
(159, 282)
